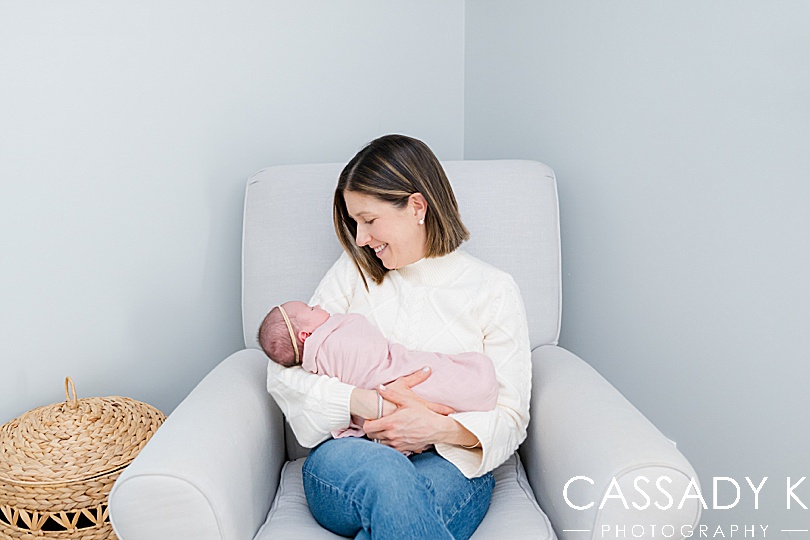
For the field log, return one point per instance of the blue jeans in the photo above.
(355, 487)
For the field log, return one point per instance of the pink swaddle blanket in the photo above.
(352, 349)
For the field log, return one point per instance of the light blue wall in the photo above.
(127, 132)
(680, 134)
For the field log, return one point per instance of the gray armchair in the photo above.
(225, 466)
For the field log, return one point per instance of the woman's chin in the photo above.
(387, 261)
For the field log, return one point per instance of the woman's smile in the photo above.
(375, 219)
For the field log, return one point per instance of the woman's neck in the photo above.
(433, 270)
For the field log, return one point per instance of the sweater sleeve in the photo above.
(316, 405)
(506, 343)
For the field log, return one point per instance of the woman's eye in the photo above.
(370, 221)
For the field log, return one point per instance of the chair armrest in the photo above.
(582, 426)
(211, 470)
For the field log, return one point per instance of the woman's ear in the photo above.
(418, 204)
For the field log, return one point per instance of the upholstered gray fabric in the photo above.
(583, 426)
(212, 470)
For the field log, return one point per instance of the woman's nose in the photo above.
(361, 238)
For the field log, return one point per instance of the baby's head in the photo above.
(276, 336)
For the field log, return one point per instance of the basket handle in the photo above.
(68, 387)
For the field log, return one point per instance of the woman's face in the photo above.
(394, 234)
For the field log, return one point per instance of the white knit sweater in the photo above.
(450, 304)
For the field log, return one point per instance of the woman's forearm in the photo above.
(454, 433)
(364, 403)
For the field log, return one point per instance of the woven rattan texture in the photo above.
(59, 462)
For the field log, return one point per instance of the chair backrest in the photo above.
(510, 208)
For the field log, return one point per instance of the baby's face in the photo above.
(306, 318)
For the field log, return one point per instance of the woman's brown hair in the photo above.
(391, 169)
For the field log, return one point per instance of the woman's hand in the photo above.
(416, 423)
(404, 387)
(364, 403)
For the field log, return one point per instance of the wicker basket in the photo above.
(58, 463)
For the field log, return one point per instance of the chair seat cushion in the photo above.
(513, 509)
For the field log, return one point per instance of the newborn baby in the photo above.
(352, 349)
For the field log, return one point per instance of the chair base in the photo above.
(513, 509)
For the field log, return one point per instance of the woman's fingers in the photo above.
(413, 425)
(439, 408)
(415, 378)
(401, 394)
(374, 429)
(389, 394)
(390, 432)
(378, 430)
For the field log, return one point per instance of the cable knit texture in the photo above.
(450, 304)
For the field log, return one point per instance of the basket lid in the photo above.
(75, 440)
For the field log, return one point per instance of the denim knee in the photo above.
(355, 484)
(365, 471)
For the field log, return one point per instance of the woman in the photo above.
(398, 221)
